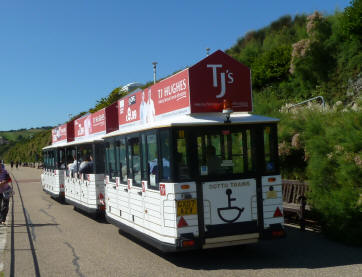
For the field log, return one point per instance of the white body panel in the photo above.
(84, 193)
(148, 211)
(154, 213)
(229, 201)
(53, 182)
(272, 199)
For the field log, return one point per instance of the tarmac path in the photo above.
(46, 238)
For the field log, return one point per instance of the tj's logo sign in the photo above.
(229, 76)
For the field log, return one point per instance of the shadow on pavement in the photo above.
(298, 250)
(35, 225)
(98, 217)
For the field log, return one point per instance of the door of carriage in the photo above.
(223, 160)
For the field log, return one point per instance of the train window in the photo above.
(270, 149)
(181, 165)
(111, 161)
(224, 152)
(122, 160)
(51, 159)
(71, 161)
(85, 159)
(99, 158)
(61, 159)
(51, 154)
(241, 151)
(165, 154)
(134, 160)
(117, 169)
(45, 159)
(152, 161)
(144, 158)
(238, 152)
(250, 162)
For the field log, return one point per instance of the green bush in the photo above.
(328, 154)
(323, 148)
(335, 172)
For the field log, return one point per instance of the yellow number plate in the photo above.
(186, 207)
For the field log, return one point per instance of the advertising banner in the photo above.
(90, 125)
(59, 134)
(98, 122)
(112, 118)
(82, 127)
(169, 97)
(202, 88)
(216, 78)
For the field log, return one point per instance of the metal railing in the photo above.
(309, 100)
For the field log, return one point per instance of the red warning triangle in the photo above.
(182, 223)
(278, 213)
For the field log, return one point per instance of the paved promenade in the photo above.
(48, 238)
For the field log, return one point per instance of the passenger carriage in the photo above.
(189, 166)
(52, 177)
(84, 189)
(82, 140)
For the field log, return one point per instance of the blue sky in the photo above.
(59, 57)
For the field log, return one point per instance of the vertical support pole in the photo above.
(154, 72)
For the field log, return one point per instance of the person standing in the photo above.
(74, 166)
(143, 109)
(150, 108)
(86, 166)
(5, 193)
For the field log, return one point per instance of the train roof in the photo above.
(185, 120)
(76, 142)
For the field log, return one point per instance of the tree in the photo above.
(352, 20)
(116, 94)
(271, 66)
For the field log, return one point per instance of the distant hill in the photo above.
(24, 144)
(17, 135)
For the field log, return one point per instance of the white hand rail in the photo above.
(309, 100)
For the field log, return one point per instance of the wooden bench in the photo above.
(295, 200)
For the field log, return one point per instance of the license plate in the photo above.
(186, 207)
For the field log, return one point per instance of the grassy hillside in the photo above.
(27, 149)
(25, 145)
(16, 135)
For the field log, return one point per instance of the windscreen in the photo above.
(222, 152)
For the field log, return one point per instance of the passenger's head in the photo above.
(178, 157)
(210, 151)
(86, 158)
